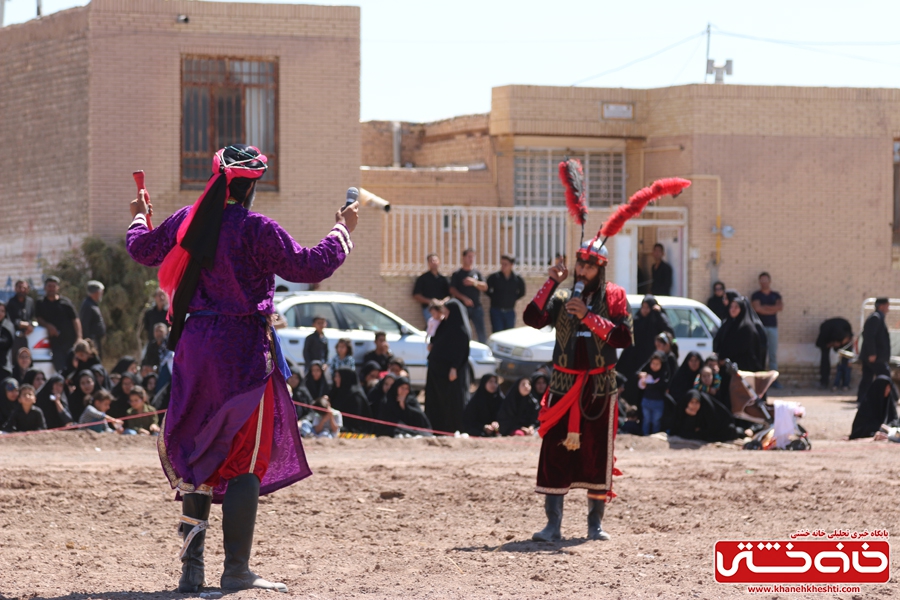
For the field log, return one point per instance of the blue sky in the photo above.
(424, 60)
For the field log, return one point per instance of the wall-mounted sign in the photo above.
(617, 112)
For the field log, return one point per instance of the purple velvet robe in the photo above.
(223, 360)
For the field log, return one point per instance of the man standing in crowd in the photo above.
(20, 310)
(661, 273)
(767, 303)
(833, 334)
(92, 324)
(466, 285)
(875, 353)
(57, 314)
(155, 351)
(316, 345)
(430, 285)
(718, 302)
(504, 289)
(156, 313)
(381, 354)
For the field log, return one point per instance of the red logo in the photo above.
(802, 562)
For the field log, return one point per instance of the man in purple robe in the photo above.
(230, 433)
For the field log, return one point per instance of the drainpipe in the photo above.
(397, 131)
(718, 181)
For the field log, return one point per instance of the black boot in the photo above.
(596, 508)
(195, 511)
(553, 507)
(238, 521)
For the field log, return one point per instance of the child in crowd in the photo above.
(96, 413)
(842, 371)
(712, 362)
(343, 358)
(316, 345)
(654, 381)
(27, 416)
(632, 424)
(434, 309)
(397, 367)
(147, 425)
(708, 381)
(325, 423)
(9, 401)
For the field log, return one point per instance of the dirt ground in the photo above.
(84, 515)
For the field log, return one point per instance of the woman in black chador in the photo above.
(401, 408)
(481, 414)
(447, 381)
(878, 408)
(348, 397)
(742, 337)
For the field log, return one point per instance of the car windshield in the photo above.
(685, 323)
(365, 318)
(303, 314)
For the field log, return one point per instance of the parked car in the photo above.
(352, 316)
(39, 344)
(523, 350)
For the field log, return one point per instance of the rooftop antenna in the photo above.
(721, 70)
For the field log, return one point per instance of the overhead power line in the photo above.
(643, 58)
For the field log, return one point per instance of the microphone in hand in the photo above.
(352, 196)
(576, 293)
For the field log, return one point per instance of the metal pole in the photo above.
(708, 35)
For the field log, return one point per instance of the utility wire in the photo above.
(643, 58)
(801, 43)
(807, 47)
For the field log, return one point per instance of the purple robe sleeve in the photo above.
(279, 253)
(150, 247)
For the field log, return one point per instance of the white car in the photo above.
(41, 355)
(523, 350)
(352, 316)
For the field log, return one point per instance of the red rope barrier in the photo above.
(76, 426)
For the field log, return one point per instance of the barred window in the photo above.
(227, 101)
(537, 177)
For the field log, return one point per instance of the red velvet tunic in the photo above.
(591, 343)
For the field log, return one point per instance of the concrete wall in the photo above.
(44, 128)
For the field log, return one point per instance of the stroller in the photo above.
(747, 396)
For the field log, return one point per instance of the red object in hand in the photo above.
(139, 180)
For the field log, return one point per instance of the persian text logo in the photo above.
(802, 562)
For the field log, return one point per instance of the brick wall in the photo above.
(43, 100)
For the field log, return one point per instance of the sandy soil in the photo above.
(84, 515)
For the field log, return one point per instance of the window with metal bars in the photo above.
(227, 101)
(536, 178)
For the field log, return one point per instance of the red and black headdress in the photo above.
(198, 234)
(594, 251)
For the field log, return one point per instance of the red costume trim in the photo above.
(569, 403)
(172, 269)
(251, 448)
(543, 295)
(598, 325)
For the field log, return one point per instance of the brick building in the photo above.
(806, 177)
(91, 94)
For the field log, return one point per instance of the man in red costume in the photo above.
(578, 411)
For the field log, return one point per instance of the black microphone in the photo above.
(576, 292)
(352, 196)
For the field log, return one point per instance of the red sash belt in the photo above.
(569, 403)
